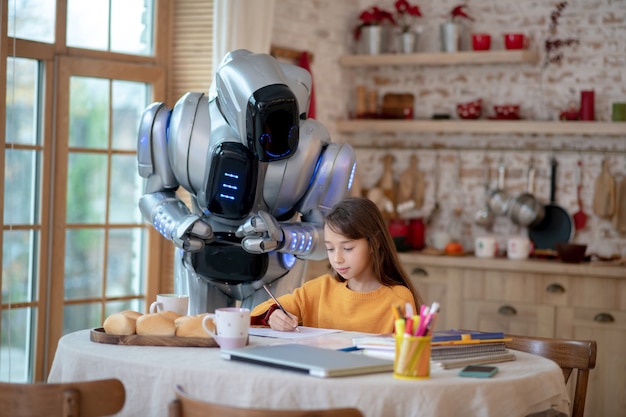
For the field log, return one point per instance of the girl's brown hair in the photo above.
(359, 218)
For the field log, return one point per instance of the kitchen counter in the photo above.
(541, 266)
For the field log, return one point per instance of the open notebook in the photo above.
(312, 360)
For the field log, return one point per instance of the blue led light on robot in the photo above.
(309, 243)
(302, 242)
(288, 260)
(232, 187)
(352, 173)
(294, 240)
(227, 197)
(228, 174)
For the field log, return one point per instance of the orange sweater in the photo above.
(326, 303)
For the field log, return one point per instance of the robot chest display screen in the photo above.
(232, 190)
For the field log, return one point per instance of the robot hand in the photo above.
(192, 234)
(261, 233)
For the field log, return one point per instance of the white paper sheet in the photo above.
(303, 332)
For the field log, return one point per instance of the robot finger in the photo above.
(203, 231)
(253, 226)
(258, 245)
(193, 245)
(271, 226)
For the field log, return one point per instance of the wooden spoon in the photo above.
(580, 217)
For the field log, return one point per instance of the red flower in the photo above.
(403, 11)
(373, 16)
(459, 12)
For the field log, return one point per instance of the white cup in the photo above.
(518, 248)
(438, 240)
(231, 326)
(486, 247)
(177, 303)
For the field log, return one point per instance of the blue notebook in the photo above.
(457, 334)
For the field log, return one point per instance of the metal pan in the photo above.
(525, 210)
(557, 225)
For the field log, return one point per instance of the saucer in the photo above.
(510, 117)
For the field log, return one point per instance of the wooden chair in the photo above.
(74, 399)
(579, 355)
(186, 406)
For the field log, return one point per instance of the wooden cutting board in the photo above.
(100, 336)
(619, 218)
(604, 193)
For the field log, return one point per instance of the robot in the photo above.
(261, 177)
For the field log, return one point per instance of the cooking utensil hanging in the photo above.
(604, 192)
(580, 217)
(499, 199)
(557, 225)
(525, 209)
(484, 217)
(619, 217)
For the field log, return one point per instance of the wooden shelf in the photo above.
(483, 126)
(441, 58)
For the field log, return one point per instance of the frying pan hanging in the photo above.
(557, 225)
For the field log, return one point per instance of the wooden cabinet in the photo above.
(438, 284)
(536, 298)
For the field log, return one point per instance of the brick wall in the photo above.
(598, 62)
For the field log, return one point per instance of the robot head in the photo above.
(261, 99)
(272, 125)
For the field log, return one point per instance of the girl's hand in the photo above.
(281, 322)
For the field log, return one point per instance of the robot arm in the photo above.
(160, 205)
(172, 219)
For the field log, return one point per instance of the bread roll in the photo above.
(172, 315)
(155, 324)
(119, 323)
(132, 314)
(190, 326)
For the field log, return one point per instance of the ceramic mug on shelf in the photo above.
(177, 303)
(515, 41)
(231, 326)
(438, 240)
(518, 248)
(481, 41)
(486, 247)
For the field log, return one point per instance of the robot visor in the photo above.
(272, 123)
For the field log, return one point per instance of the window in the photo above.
(74, 245)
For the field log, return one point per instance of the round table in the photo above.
(527, 385)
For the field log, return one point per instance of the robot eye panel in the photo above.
(273, 123)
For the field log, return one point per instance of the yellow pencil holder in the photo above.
(412, 359)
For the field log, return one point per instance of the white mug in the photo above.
(231, 326)
(177, 303)
(438, 240)
(518, 248)
(486, 247)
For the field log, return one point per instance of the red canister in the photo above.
(587, 108)
(416, 233)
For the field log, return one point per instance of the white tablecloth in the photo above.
(529, 384)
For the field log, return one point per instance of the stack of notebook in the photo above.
(449, 348)
(458, 348)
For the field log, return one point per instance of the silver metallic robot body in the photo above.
(260, 175)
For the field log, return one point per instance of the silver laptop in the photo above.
(311, 360)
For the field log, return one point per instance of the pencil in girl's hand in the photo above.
(267, 290)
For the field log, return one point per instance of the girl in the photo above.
(366, 282)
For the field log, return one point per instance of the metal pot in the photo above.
(525, 209)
